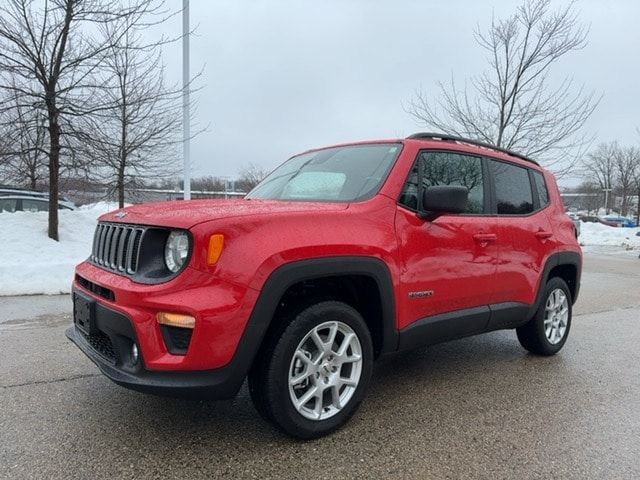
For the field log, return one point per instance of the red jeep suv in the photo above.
(341, 255)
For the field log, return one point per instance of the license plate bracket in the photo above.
(84, 314)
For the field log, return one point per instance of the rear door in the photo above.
(523, 228)
(448, 264)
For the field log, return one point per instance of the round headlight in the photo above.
(176, 250)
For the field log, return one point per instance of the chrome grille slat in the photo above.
(129, 252)
(94, 247)
(113, 248)
(103, 232)
(105, 245)
(122, 243)
(136, 250)
(116, 247)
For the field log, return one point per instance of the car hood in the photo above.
(186, 214)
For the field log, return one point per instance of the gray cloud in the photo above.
(283, 76)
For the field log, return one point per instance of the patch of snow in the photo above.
(599, 238)
(32, 263)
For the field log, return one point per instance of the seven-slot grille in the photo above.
(117, 247)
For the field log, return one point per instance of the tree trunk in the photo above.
(120, 187)
(123, 160)
(54, 167)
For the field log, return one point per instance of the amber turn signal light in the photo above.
(216, 242)
(176, 320)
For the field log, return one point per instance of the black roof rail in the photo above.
(453, 138)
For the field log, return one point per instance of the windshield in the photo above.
(340, 174)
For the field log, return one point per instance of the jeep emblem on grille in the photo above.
(120, 214)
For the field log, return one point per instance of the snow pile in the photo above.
(617, 239)
(31, 263)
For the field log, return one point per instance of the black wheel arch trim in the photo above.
(287, 275)
(558, 259)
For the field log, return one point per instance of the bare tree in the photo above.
(135, 138)
(513, 105)
(249, 176)
(23, 156)
(600, 167)
(637, 194)
(592, 196)
(208, 184)
(49, 55)
(627, 165)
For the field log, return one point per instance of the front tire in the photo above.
(311, 377)
(547, 332)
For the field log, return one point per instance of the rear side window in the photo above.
(29, 205)
(446, 168)
(541, 188)
(513, 188)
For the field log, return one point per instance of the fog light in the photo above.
(176, 320)
(134, 353)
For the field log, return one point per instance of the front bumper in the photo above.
(221, 310)
(221, 347)
(110, 349)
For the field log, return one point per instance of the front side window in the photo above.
(446, 168)
(340, 174)
(513, 188)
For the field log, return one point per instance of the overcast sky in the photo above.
(280, 77)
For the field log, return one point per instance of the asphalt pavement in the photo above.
(475, 408)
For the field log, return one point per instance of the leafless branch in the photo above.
(513, 104)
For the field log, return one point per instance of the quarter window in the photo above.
(541, 188)
(447, 168)
(513, 188)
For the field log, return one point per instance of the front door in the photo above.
(449, 263)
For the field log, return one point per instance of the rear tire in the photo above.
(547, 332)
(314, 372)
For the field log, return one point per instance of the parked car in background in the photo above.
(26, 203)
(589, 219)
(618, 221)
(575, 218)
(24, 192)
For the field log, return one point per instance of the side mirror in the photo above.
(441, 199)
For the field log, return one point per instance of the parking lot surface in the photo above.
(475, 408)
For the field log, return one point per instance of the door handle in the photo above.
(485, 237)
(543, 235)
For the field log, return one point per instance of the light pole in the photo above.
(606, 200)
(186, 134)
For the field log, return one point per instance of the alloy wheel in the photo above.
(325, 370)
(556, 316)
